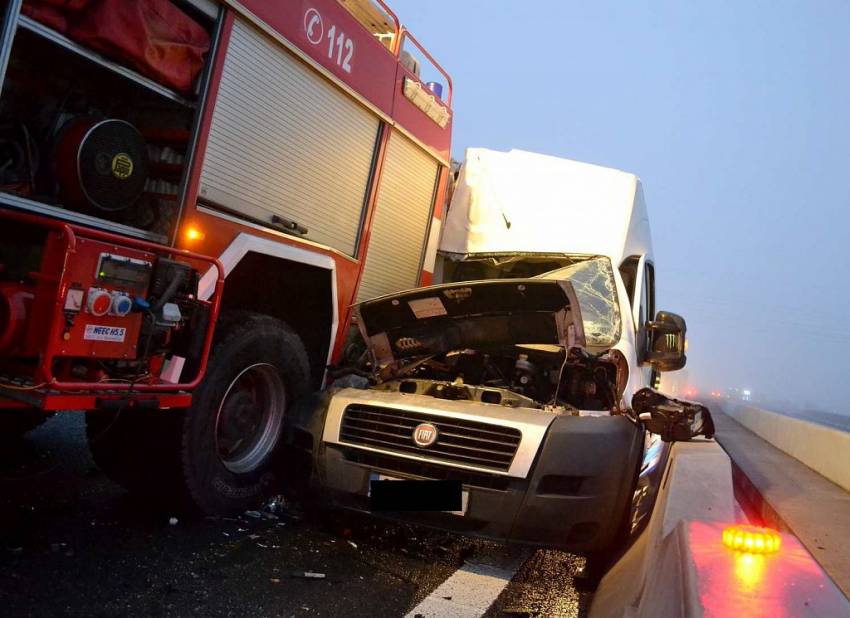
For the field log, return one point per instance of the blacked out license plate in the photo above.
(391, 494)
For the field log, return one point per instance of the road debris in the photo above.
(353, 544)
(254, 514)
(173, 521)
(275, 505)
(308, 575)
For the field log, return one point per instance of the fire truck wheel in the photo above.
(15, 423)
(138, 449)
(257, 369)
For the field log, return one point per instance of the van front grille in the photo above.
(459, 441)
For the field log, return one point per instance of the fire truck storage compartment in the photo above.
(405, 195)
(84, 134)
(125, 311)
(285, 142)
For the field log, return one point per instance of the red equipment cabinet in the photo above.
(90, 331)
(60, 327)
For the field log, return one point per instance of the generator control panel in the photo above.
(99, 288)
(125, 272)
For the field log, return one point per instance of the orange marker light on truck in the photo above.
(751, 539)
(193, 233)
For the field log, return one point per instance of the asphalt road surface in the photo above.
(72, 543)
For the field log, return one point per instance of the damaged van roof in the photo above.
(521, 201)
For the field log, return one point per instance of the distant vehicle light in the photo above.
(751, 539)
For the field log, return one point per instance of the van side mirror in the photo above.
(673, 419)
(667, 341)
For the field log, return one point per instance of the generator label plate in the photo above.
(105, 333)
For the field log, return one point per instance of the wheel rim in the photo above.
(249, 419)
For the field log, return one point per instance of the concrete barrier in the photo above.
(654, 576)
(826, 450)
(679, 566)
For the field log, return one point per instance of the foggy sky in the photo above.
(736, 116)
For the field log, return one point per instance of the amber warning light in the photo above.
(751, 539)
(193, 233)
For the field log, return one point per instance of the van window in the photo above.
(646, 312)
(503, 266)
(649, 291)
(628, 272)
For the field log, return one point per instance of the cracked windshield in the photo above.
(593, 282)
(592, 279)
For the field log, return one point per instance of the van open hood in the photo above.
(473, 314)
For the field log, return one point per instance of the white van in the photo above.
(520, 213)
(512, 397)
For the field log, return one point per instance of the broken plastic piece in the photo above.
(275, 505)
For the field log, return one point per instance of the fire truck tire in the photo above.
(258, 368)
(138, 449)
(15, 423)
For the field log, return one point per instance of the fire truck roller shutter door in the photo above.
(284, 141)
(400, 224)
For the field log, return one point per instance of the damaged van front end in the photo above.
(509, 390)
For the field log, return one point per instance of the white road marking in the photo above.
(469, 592)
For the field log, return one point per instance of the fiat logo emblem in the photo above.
(424, 435)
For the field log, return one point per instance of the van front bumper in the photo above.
(575, 496)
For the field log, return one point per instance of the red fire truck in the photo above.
(193, 193)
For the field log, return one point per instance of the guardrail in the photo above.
(826, 450)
